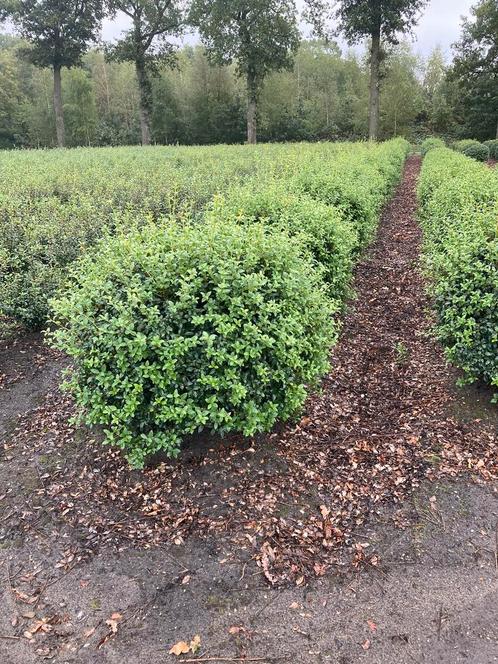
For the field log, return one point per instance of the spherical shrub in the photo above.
(493, 148)
(181, 328)
(462, 145)
(477, 151)
(431, 144)
(329, 238)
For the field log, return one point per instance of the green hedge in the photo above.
(178, 328)
(54, 205)
(431, 144)
(459, 208)
(358, 185)
(328, 237)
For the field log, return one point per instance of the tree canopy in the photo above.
(260, 36)
(146, 43)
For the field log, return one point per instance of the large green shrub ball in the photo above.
(178, 328)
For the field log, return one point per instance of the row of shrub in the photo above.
(459, 211)
(469, 147)
(221, 320)
(54, 205)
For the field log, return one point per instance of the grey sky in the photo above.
(439, 25)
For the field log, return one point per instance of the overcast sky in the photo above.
(439, 25)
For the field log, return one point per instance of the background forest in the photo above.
(324, 95)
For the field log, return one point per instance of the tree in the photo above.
(475, 69)
(58, 32)
(146, 44)
(259, 35)
(436, 91)
(402, 93)
(12, 99)
(380, 21)
(80, 109)
(117, 99)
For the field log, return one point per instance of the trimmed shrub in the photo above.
(431, 144)
(479, 152)
(177, 328)
(460, 146)
(330, 240)
(472, 148)
(493, 148)
(459, 215)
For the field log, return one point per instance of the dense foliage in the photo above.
(459, 206)
(207, 304)
(474, 72)
(472, 148)
(325, 97)
(493, 148)
(145, 87)
(54, 205)
(258, 36)
(179, 328)
(431, 144)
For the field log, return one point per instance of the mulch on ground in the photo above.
(296, 500)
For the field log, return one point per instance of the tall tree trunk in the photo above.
(373, 113)
(497, 130)
(145, 89)
(252, 108)
(59, 114)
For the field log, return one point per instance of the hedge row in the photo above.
(221, 321)
(459, 208)
(54, 205)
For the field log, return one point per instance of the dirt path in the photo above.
(170, 552)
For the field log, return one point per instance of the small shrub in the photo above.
(460, 146)
(478, 151)
(431, 144)
(181, 328)
(493, 148)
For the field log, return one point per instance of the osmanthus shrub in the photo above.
(461, 254)
(177, 328)
(325, 234)
(357, 182)
(492, 147)
(472, 148)
(431, 144)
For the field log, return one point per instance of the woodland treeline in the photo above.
(80, 92)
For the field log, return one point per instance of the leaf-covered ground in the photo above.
(209, 538)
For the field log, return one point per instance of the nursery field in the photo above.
(229, 417)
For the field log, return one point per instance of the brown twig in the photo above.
(10, 638)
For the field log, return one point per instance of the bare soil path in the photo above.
(366, 532)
